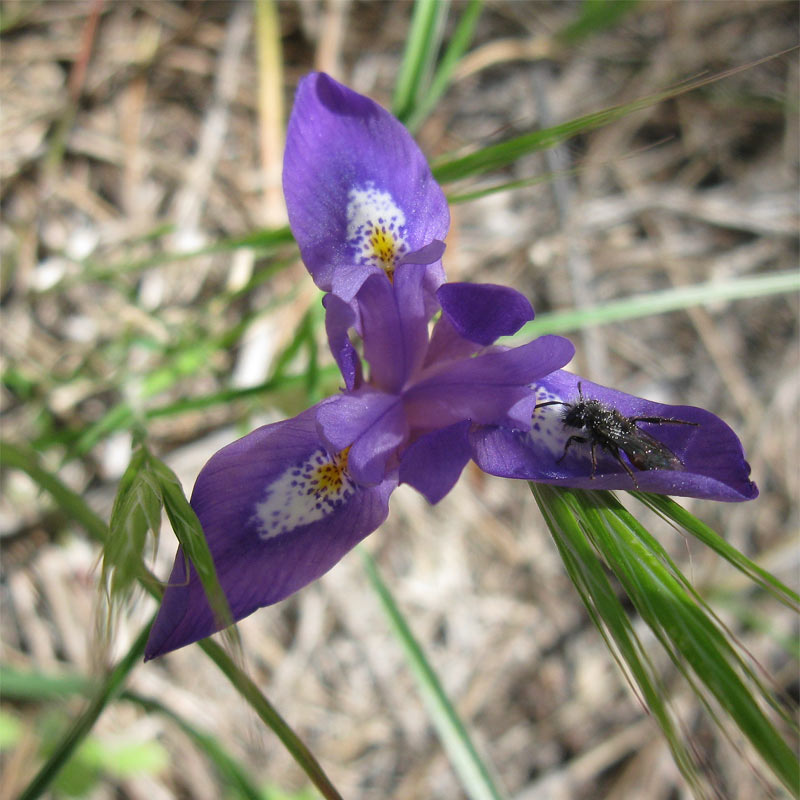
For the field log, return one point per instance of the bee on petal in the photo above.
(609, 429)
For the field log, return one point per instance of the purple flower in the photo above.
(681, 450)
(282, 505)
(360, 194)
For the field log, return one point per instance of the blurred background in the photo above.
(141, 287)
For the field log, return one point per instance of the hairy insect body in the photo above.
(603, 426)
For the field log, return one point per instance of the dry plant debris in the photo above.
(139, 140)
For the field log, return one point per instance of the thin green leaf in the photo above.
(227, 767)
(190, 534)
(595, 16)
(71, 503)
(693, 639)
(505, 153)
(262, 240)
(266, 711)
(79, 730)
(422, 45)
(566, 524)
(459, 42)
(643, 305)
(475, 776)
(34, 686)
(696, 644)
(669, 509)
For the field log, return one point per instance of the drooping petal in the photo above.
(359, 192)
(695, 455)
(278, 511)
(485, 388)
(339, 319)
(434, 462)
(482, 312)
(371, 424)
(394, 325)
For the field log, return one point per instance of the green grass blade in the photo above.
(38, 687)
(566, 524)
(71, 503)
(475, 777)
(644, 305)
(228, 768)
(595, 16)
(266, 711)
(190, 534)
(698, 646)
(460, 41)
(669, 509)
(79, 730)
(504, 153)
(422, 45)
(263, 240)
(76, 507)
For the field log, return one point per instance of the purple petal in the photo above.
(359, 192)
(482, 312)
(485, 388)
(433, 463)
(394, 326)
(708, 457)
(447, 344)
(372, 424)
(269, 531)
(429, 254)
(339, 319)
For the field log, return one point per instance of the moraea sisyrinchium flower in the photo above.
(282, 505)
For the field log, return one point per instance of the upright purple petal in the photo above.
(359, 192)
(278, 511)
(708, 457)
(485, 388)
(482, 312)
(394, 326)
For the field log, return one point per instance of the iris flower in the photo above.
(285, 503)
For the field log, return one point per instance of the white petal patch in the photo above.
(306, 492)
(375, 227)
(547, 426)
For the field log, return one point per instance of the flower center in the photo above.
(305, 493)
(375, 228)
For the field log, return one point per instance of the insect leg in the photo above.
(627, 469)
(550, 403)
(663, 420)
(579, 439)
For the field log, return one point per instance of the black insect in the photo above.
(605, 427)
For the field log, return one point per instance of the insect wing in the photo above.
(645, 452)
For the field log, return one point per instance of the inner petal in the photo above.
(306, 492)
(375, 228)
